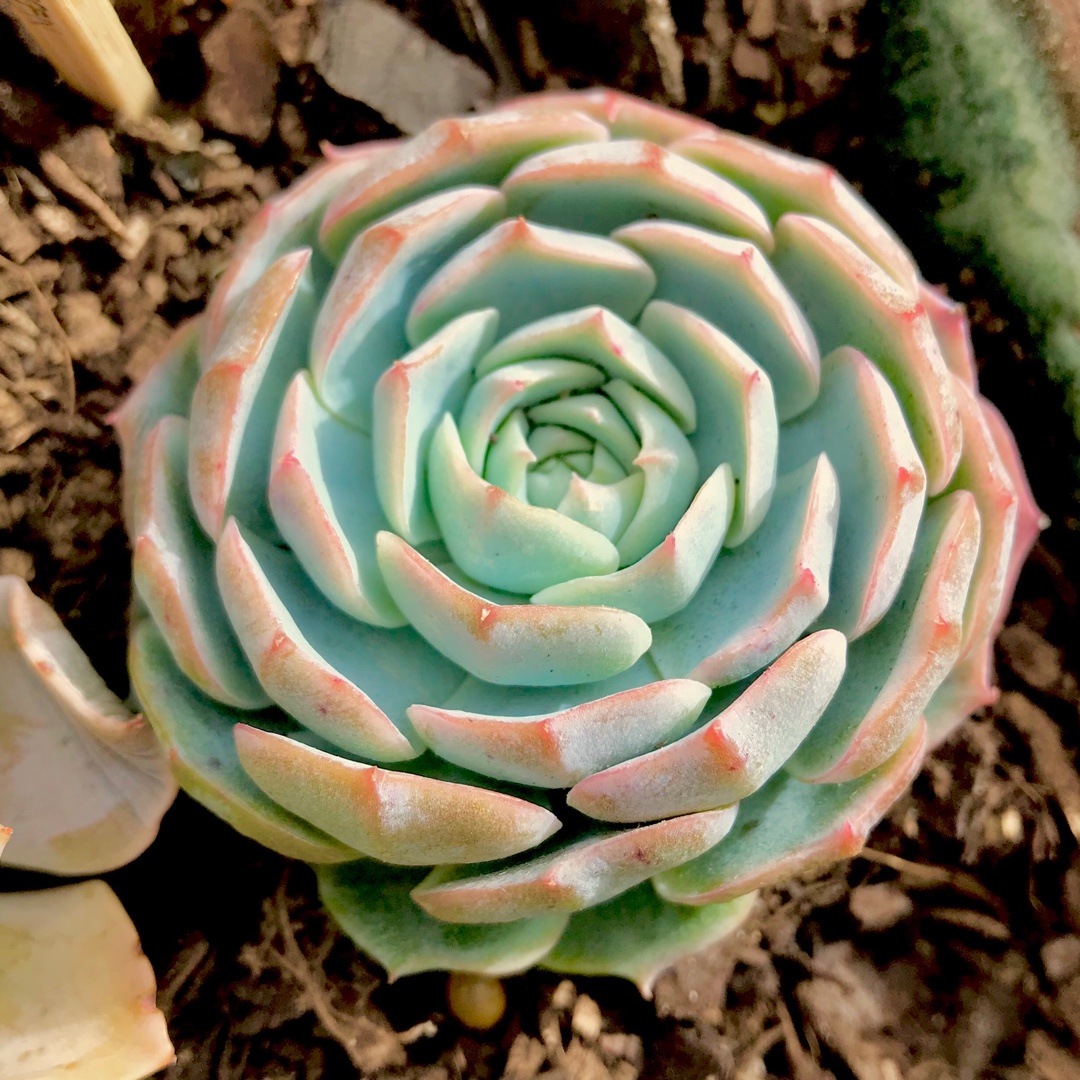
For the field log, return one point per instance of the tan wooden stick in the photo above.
(88, 45)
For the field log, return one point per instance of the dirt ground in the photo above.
(949, 949)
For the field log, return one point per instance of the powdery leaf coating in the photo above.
(572, 481)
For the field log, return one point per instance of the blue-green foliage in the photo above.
(979, 114)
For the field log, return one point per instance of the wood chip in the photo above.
(372, 53)
(90, 332)
(1051, 760)
(750, 62)
(586, 1020)
(1048, 1060)
(17, 240)
(880, 905)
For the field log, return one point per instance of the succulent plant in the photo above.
(561, 524)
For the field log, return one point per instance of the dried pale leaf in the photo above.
(83, 783)
(76, 992)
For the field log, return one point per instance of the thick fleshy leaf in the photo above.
(730, 284)
(670, 468)
(410, 399)
(344, 680)
(360, 330)
(468, 150)
(968, 688)
(558, 748)
(733, 754)
(396, 817)
(288, 221)
(637, 935)
(895, 668)
(76, 992)
(953, 334)
(743, 430)
(597, 187)
(500, 540)
(850, 300)
(235, 406)
(510, 456)
(625, 116)
(664, 581)
(982, 472)
(587, 872)
(600, 337)
(323, 498)
(173, 573)
(166, 390)
(517, 386)
(758, 599)
(595, 416)
(784, 182)
(83, 783)
(197, 735)
(528, 272)
(372, 905)
(516, 644)
(606, 508)
(788, 827)
(858, 423)
(1030, 520)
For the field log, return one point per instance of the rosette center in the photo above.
(563, 465)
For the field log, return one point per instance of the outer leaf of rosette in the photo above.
(83, 783)
(528, 272)
(288, 221)
(952, 332)
(409, 400)
(173, 573)
(558, 747)
(783, 183)
(858, 423)
(235, 407)
(966, 689)
(982, 472)
(589, 871)
(743, 429)
(198, 736)
(894, 669)
(734, 753)
(502, 541)
(729, 283)
(360, 329)
(758, 599)
(372, 905)
(1030, 520)
(452, 152)
(166, 390)
(664, 581)
(625, 116)
(344, 680)
(323, 498)
(596, 187)
(600, 337)
(788, 827)
(514, 644)
(637, 935)
(397, 817)
(670, 468)
(850, 300)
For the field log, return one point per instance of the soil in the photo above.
(949, 949)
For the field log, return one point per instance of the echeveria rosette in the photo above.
(561, 524)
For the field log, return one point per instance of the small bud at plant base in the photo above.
(478, 1001)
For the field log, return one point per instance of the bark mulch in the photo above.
(949, 949)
